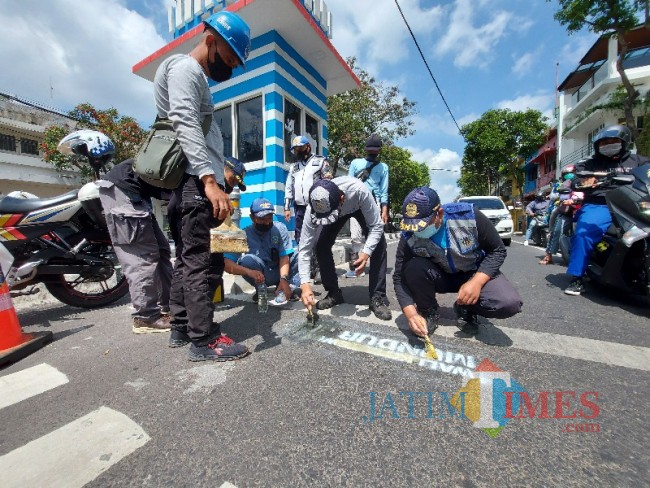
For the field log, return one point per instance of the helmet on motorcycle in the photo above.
(234, 30)
(620, 132)
(96, 146)
(540, 196)
(568, 172)
(569, 168)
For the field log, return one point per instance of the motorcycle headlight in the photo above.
(644, 207)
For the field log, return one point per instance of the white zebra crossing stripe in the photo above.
(75, 454)
(611, 353)
(30, 382)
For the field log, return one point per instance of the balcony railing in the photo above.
(582, 153)
(593, 81)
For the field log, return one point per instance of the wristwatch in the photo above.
(285, 278)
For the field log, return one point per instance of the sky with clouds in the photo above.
(485, 54)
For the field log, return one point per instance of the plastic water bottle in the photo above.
(262, 298)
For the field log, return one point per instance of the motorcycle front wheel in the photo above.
(90, 290)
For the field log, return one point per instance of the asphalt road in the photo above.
(118, 409)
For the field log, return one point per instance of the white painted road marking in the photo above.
(75, 454)
(611, 353)
(30, 382)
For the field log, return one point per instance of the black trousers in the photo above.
(299, 211)
(424, 278)
(196, 271)
(325, 257)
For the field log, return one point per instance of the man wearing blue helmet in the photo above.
(182, 95)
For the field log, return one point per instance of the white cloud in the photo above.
(524, 63)
(374, 31)
(542, 101)
(84, 49)
(444, 182)
(573, 51)
(470, 45)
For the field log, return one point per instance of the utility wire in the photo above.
(429, 69)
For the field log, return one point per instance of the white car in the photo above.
(495, 210)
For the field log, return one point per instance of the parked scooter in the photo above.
(62, 242)
(621, 259)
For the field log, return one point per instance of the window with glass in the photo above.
(7, 143)
(224, 119)
(29, 146)
(292, 126)
(311, 130)
(250, 130)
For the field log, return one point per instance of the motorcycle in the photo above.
(539, 236)
(63, 243)
(568, 211)
(621, 259)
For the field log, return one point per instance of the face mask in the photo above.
(263, 227)
(428, 232)
(219, 71)
(569, 176)
(302, 155)
(228, 188)
(609, 150)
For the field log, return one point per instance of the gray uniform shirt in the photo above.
(357, 197)
(182, 94)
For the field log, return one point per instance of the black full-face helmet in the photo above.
(621, 132)
(539, 196)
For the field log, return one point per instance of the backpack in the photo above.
(160, 160)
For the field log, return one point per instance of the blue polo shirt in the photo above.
(261, 244)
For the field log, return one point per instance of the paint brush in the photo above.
(429, 348)
(311, 317)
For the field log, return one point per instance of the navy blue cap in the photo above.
(418, 208)
(261, 207)
(373, 143)
(237, 167)
(325, 201)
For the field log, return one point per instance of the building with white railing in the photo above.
(22, 130)
(291, 70)
(585, 91)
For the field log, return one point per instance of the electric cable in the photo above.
(428, 68)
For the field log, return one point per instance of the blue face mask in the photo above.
(428, 232)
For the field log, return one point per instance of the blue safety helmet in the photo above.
(234, 30)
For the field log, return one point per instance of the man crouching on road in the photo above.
(331, 204)
(447, 249)
(270, 256)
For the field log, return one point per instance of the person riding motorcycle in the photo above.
(558, 219)
(539, 206)
(611, 155)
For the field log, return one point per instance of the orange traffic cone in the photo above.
(15, 345)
